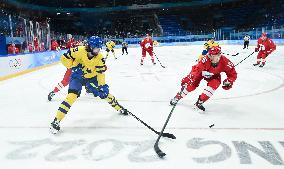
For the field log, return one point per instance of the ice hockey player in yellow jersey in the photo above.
(88, 68)
(207, 45)
(109, 47)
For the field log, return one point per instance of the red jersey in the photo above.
(147, 44)
(267, 46)
(54, 45)
(224, 65)
(70, 43)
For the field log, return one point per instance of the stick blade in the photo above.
(169, 135)
(159, 152)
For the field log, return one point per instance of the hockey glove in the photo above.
(103, 91)
(227, 84)
(204, 52)
(206, 74)
(256, 49)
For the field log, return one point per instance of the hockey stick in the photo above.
(159, 60)
(230, 54)
(169, 135)
(244, 59)
(160, 153)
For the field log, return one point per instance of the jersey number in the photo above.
(203, 59)
(230, 65)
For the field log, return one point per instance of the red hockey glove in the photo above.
(227, 84)
(256, 49)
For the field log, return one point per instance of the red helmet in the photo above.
(214, 50)
(264, 34)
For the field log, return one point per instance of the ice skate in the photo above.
(255, 64)
(123, 111)
(198, 106)
(50, 95)
(261, 65)
(173, 101)
(54, 126)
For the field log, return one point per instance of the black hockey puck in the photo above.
(211, 125)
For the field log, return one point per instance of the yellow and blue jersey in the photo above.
(110, 45)
(78, 57)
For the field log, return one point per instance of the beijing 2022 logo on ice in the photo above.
(200, 150)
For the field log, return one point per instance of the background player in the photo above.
(156, 43)
(124, 47)
(109, 47)
(207, 45)
(246, 41)
(147, 46)
(88, 67)
(209, 69)
(265, 46)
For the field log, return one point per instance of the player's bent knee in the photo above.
(190, 87)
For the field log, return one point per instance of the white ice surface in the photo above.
(247, 118)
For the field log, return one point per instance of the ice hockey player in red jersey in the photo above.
(64, 82)
(209, 69)
(265, 47)
(147, 46)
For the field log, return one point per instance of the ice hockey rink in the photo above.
(248, 131)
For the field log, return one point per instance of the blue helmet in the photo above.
(95, 42)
